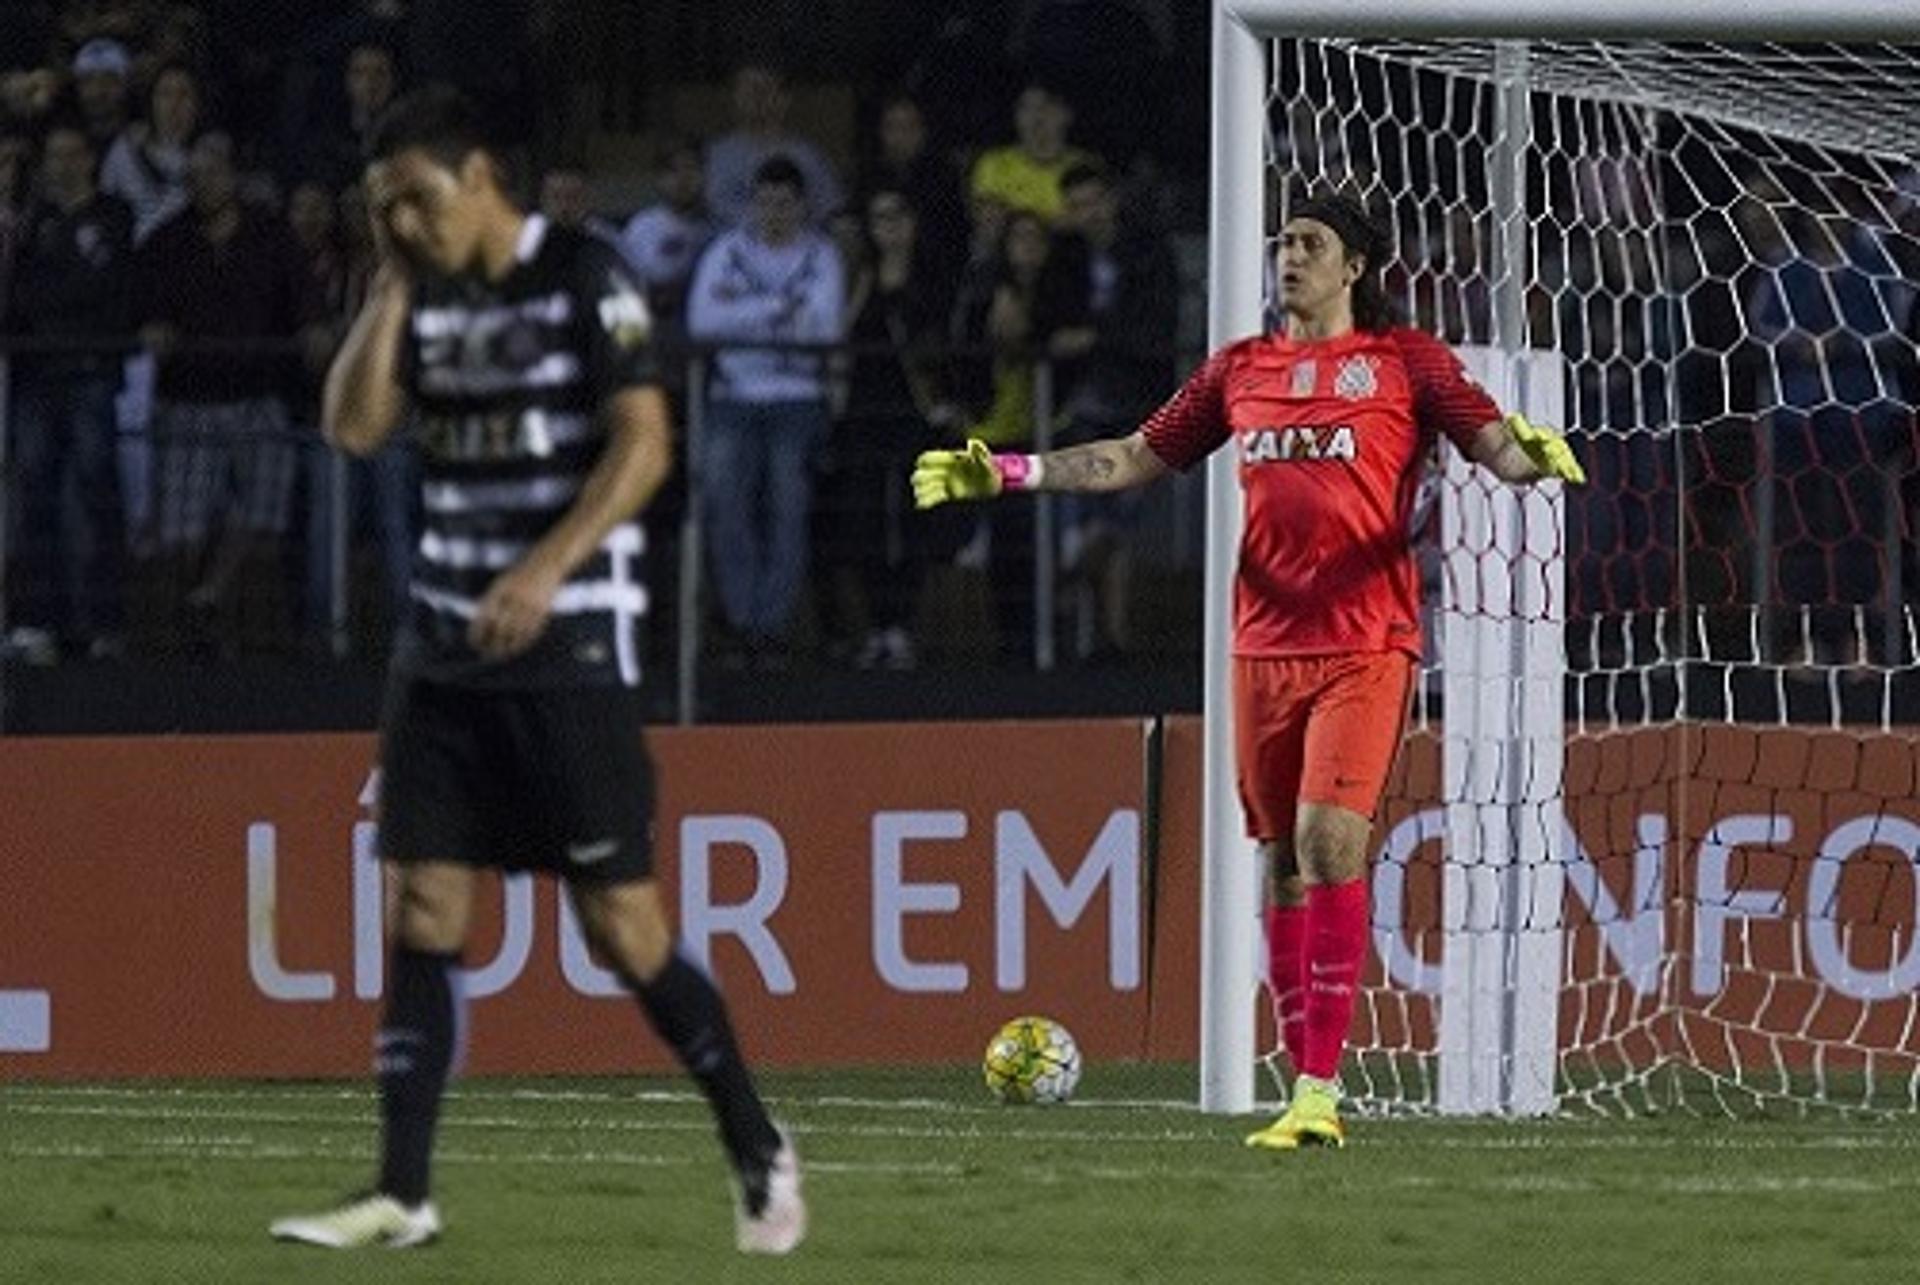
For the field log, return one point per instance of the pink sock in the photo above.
(1287, 976)
(1335, 948)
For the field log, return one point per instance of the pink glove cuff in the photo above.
(1018, 472)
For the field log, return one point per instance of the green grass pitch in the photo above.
(915, 1176)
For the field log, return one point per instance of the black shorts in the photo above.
(553, 779)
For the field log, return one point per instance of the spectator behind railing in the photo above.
(1025, 174)
(70, 283)
(220, 270)
(1107, 306)
(994, 313)
(904, 159)
(101, 70)
(760, 106)
(899, 309)
(147, 168)
(776, 279)
(334, 153)
(380, 491)
(147, 165)
(664, 240)
(27, 96)
(994, 330)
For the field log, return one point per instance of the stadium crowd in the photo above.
(183, 239)
(981, 235)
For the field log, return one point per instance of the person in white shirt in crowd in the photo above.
(147, 165)
(147, 168)
(761, 102)
(780, 280)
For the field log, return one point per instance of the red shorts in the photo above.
(1323, 729)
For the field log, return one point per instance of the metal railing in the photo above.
(339, 622)
(322, 542)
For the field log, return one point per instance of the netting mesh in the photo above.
(1714, 248)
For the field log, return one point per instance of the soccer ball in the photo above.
(1032, 1059)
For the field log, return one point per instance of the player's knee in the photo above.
(1331, 854)
(1290, 890)
(1330, 842)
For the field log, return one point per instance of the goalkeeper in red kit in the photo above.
(1334, 419)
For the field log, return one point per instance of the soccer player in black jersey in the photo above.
(511, 737)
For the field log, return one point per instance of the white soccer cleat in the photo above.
(781, 1221)
(363, 1221)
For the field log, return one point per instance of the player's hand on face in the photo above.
(939, 476)
(513, 612)
(382, 195)
(1547, 450)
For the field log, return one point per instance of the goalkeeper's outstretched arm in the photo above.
(1515, 449)
(1110, 464)
(976, 473)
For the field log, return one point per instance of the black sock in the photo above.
(412, 1056)
(687, 1011)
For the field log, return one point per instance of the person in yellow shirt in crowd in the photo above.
(1025, 175)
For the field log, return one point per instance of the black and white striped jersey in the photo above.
(507, 380)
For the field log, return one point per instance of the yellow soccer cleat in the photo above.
(1312, 1119)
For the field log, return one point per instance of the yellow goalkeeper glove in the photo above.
(939, 476)
(1547, 449)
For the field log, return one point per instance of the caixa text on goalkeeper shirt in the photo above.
(1025, 875)
(1298, 442)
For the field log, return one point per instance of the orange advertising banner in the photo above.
(875, 894)
(211, 906)
(1728, 896)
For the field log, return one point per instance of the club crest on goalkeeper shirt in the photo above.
(1355, 378)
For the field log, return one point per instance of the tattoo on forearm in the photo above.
(1081, 468)
(1516, 465)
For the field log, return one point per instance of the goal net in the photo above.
(1652, 843)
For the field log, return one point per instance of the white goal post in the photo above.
(1493, 1056)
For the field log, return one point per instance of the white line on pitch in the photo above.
(257, 1091)
(1042, 1175)
(535, 1123)
(159, 1149)
(1417, 1130)
(1545, 1138)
